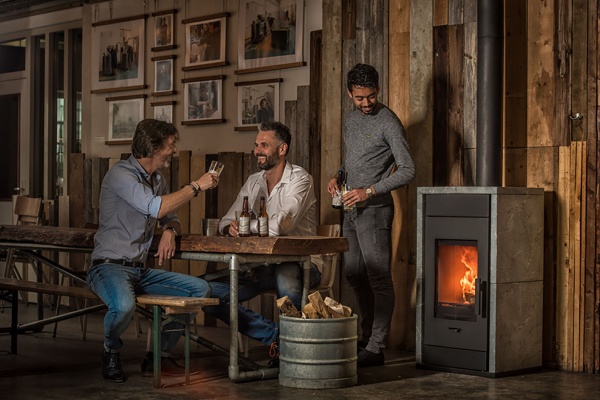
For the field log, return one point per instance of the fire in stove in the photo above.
(457, 273)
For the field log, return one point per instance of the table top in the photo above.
(275, 245)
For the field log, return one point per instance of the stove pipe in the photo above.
(490, 37)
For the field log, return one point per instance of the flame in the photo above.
(467, 282)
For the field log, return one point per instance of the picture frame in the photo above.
(124, 113)
(118, 54)
(270, 34)
(163, 76)
(164, 111)
(205, 42)
(164, 33)
(203, 100)
(258, 101)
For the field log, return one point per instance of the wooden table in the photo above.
(238, 253)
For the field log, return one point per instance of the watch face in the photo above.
(369, 192)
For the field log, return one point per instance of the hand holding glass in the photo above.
(216, 167)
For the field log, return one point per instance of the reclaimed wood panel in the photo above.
(564, 274)
(230, 180)
(592, 268)
(197, 209)
(575, 250)
(314, 119)
(579, 72)
(515, 81)
(290, 122)
(470, 11)
(302, 127)
(440, 12)
(440, 106)
(398, 101)
(540, 73)
(420, 123)
(455, 12)
(181, 172)
(331, 109)
(76, 189)
(470, 88)
(564, 44)
(515, 167)
(89, 215)
(363, 32)
(455, 107)
(378, 49)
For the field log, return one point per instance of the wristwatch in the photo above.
(369, 192)
(172, 229)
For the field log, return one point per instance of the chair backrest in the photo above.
(328, 273)
(27, 210)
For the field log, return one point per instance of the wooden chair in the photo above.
(27, 211)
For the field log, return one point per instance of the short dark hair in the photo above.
(282, 132)
(362, 75)
(151, 135)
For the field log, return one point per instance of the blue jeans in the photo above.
(285, 277)
(368, 270)
(118, 285)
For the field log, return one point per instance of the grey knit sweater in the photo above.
(373, 143)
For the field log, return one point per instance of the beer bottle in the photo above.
(244, 222)
(263, 219)
(336, 201)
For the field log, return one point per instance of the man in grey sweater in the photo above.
(375, 142)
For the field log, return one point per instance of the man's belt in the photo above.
(126, 263)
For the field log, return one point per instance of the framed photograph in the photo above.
(270, 34)
(258, 101)
(164, 112)
(118, 55)
(202, 100)
(163, 30)
(124, 113)
(205, 41)
(163, 76)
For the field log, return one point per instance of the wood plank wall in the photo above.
(551, 73)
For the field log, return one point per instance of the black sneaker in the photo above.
(111, 367)
(168, 365)
(368, 359)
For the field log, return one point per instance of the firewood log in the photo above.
(287, 308)
(317, 302)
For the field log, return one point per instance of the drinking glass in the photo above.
(216, 167)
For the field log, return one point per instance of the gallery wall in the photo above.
(204, 138)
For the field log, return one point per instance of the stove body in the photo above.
(480, 279)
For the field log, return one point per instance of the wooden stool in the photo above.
(176, 308)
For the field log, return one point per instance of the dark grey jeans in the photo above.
(368, 270)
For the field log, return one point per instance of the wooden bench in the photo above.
(174, 308)
(13, 286)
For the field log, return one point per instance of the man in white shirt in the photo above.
(292, 209)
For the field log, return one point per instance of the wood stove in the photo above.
(479, 275)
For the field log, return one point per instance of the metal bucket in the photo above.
(317, 353)
(210, 226)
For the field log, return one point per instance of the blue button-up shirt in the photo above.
(130, 200)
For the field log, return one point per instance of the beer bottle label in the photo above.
(244, 227)
(263, 226)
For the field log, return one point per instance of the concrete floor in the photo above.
(67, 367)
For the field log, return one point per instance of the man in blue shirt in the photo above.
(133, 198)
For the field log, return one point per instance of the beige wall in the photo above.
(199, 139)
